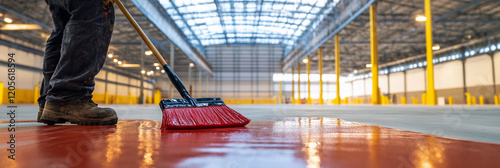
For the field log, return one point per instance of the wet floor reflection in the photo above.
(293, 142)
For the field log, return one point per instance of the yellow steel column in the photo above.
(320, 69)
(106, 97)
(206, 85)
(281, 94)
(293, 87)
(157, 96)
(36, 94)
(431, 92)
(308, 66)
(374, 54)
(337, 68)
(299, 100)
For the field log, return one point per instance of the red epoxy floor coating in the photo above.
(297, 142)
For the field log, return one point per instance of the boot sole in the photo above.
(50, 117)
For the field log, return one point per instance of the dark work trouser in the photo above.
(76, 49)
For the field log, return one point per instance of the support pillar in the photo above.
(1, 93)
(320, 69)
(299, 100)
(293, 86)
(206, 85)
(142, 98)
(431, 92)
(190, 89)
(199, 83)
(172, 66)
(280, 94)
(337, 68)
(374, 54)
(308, 67)
(106, 93)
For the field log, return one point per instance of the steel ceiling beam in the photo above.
(158, 16)
(26, 18)
(442, 17)
(327, 29)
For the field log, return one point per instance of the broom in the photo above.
(188, 113)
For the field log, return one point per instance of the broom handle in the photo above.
(171, 75)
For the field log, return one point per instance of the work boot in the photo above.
(78, 112)
(40, 111)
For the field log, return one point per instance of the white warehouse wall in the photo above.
(478, 71)
(448, 75)
(496, 58)
(415, 80)
(397, 81)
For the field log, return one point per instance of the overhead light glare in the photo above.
(7, 20)
(305, 60)
(420, 18)
(149, 52)
(20, 27)
(369, 65)
(436, 47)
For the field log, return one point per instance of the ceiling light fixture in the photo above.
(7, 20)
(436, 47)
(420, 18)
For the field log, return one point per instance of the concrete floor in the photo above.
(295, 142)
(278, 136)
(476, 123)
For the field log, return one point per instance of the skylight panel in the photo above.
(267, 6)
(251, 7)
(315, 10)
(279, 21)
(300, 15)
(238, 7)
(305, 8)
(277, 6)
(290, 7)
(205, 7)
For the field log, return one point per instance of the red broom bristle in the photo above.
(202, 117)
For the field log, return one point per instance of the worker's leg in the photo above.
(52, 51)
(84, 46)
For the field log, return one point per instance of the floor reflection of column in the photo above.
(374, 145)
(429, 154)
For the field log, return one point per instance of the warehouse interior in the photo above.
(326, 83)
